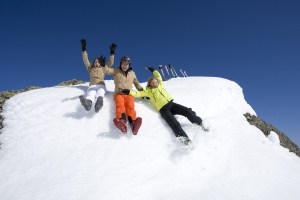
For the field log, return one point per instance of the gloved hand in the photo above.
(150, 68)
(102, 61)
(126, 91)
(112, 47)
(83, 44)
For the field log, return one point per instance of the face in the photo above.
(96, 63)
(125, 64)
(154, 83)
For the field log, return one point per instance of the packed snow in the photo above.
(51, 148)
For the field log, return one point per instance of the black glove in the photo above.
(112, 47)
(150, 68)
(102, 61)
(83, 44)
(126, 91)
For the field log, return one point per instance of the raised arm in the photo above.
(156, 74)
(112, 48)
(85, 55)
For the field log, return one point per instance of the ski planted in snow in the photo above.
(161, 69)
(173, 71)
(167, 70)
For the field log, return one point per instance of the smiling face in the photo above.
(125, 64)
(96, 63)
(153, 82)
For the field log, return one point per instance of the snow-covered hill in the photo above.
(53, 149)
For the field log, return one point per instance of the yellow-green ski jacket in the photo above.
(159, 96)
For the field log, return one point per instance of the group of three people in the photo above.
(124, 96)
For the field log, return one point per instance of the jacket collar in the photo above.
(126, 72)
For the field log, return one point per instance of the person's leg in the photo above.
(135, 122)
(91, 93)
(120, 107)
(173, 123)
(100, 92)
(120, 120)
(129, 106)
(177, 109)
(87, 101)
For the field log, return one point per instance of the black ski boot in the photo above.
(99, 104)
(87, 104)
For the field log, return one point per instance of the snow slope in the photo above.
(51, 148)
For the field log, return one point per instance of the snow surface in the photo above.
(51, 148)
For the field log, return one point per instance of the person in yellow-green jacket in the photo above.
(164, 103)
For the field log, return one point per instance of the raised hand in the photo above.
(150, 68)
(83, 44)
(102, 61)
(112, 47)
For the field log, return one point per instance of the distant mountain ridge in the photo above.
(252, 119)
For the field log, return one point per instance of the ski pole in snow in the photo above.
(185, 73)
(161, 69)
(171, 71)
(167, 70)
(182, 73)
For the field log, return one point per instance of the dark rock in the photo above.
(71, 82)
(267, 128)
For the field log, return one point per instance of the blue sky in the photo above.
(254, 43)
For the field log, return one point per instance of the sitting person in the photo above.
(96, 89)
(124, 77)
(163, 101)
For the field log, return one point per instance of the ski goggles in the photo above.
(125, 59)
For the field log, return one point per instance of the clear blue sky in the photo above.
(254, 43)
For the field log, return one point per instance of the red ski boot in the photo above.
(120, 124)
(135, 125)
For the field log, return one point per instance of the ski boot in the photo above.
(135, 125)
(204, 128)
(187, 141)
(120, 124)
(99, 104)
(87, 104)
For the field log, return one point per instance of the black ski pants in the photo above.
(169, 110)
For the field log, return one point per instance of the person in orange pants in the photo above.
(125, 104)
(124, 77)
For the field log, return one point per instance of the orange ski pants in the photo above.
(125, 104)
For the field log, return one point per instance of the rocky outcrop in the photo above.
(267, 128)
(71, 82)
(10, 93)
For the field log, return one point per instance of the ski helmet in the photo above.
(125, 58)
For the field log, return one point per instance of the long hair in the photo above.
(94, 62)
(150, 79)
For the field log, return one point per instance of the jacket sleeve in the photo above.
(138, 94)
(108, 70)
(158, 76)
(110, 61)
(86, 61)
(137, 84)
